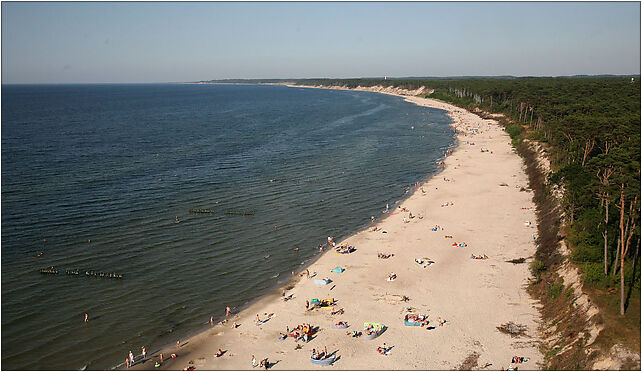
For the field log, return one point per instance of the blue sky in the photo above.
(169, 42)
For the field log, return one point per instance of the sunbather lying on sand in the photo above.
(383, 349)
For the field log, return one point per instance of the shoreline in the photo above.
(199, 348)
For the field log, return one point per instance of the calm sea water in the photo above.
(116, 164)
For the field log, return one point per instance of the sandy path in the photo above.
(474, 296)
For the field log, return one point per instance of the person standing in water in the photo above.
(86, 318)
(144, 352)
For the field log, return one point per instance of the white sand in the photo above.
(474, 296)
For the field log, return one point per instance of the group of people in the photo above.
(318, 355)
(130, 360)
(384, 255)
(484, 257)
(345, 249)
(263, 364)
(370, 329)
(436, 228)
(517, 359)
(392, 277)
(417, 318)
(462, 245)
(301, 332)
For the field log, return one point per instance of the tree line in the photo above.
(591, 126)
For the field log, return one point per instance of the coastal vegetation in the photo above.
(589, 129)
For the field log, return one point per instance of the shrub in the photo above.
(537, 268)
(555, 290)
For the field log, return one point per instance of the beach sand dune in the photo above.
(477, 200)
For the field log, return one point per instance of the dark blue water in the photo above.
(116, 164)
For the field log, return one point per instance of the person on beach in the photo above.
(257, 320)
(307, 304)
(144, 352)
(131, 357)
(219, 353)
(372, 218)
(228, 311)
(127, 362)
(212, 320)
(253, 361)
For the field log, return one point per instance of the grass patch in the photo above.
(555, 289)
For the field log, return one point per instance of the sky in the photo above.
(154, 42)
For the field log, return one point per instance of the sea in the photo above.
(103, 179)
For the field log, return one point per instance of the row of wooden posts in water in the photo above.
(236, 212)
(99, 274)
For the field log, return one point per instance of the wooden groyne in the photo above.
(201, 210)
(237, 212)
(76, 272)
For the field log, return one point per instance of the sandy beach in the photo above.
(479, 205)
